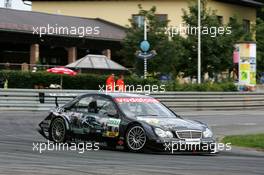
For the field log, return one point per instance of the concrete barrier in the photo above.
(29, 99)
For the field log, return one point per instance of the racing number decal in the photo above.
(113, 122)
(112, 127)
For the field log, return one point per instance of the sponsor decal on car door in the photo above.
(112, 127)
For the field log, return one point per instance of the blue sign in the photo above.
(144, 45)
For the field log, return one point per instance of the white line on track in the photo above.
(237, 124)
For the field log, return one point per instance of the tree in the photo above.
(260, 41)
(216, 47)
(159, 41)
(178, 54)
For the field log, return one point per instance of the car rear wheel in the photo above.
(58, 130)
(136, 138)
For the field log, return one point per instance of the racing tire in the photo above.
(136, 138)
(58, 131)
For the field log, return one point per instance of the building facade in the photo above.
(49, 39)
(119, 11)
(20, 45)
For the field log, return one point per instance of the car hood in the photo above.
(170, 123)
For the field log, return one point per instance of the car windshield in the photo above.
(143, 107)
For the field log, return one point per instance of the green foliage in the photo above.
(260, 43)
(251, 141)
(214, 87)
(159, 41)
(178, 55)
(217, 49)
(17, 79)
(27, 80)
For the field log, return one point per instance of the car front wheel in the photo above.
(58, 130)
(136, 138)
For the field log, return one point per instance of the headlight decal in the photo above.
(207, 133)
(163, 134)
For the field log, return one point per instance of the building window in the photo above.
(162, 17)
(246, 25)
(139, 20)
(220, 19)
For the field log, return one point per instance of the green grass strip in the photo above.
(250, 141)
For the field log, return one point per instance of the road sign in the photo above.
(144, 46)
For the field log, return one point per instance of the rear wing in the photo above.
(62, 97)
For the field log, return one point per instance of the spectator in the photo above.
(121, 84)
(110, 83)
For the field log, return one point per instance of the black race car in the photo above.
(131, 121)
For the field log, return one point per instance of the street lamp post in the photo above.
(144, 53)
(145, 39)
(199, 43)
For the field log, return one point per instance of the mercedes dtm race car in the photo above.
(130, 121)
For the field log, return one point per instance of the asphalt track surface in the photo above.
(18, 132)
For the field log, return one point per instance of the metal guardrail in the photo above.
(44, 99)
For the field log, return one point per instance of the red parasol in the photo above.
(63, 71)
